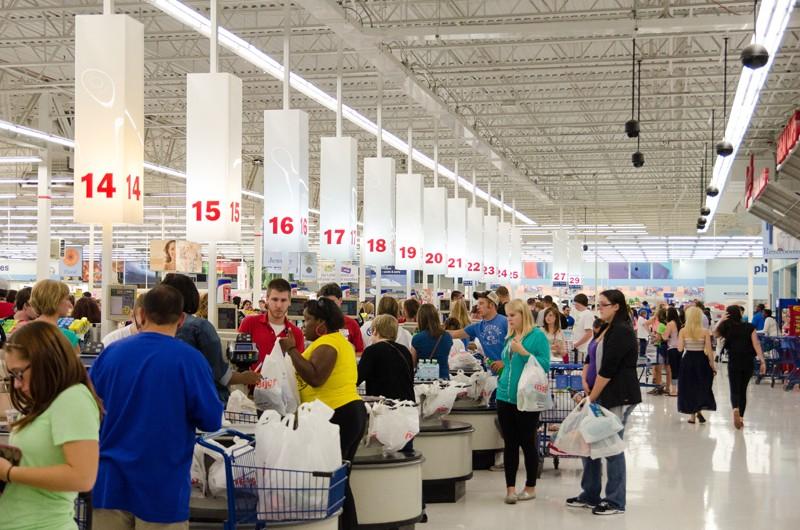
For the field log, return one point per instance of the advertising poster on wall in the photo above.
(71, 264)
(170, 255)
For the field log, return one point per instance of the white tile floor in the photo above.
(680, 476)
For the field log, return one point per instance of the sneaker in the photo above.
(606, 509)
(577, 502)
(497, 467)
(510, 499)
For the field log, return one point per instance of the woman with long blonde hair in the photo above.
(459, 311)
(697, 368)
(519, 427)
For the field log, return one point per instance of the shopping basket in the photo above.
(257, 495)
(246, 418)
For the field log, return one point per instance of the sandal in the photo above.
(701, 418)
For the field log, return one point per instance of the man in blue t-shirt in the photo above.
(758, 317)
(157, 391)
(491, 330)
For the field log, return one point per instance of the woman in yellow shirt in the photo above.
(327, 371)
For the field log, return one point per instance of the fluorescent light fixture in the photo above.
(8, 196)
(773, 17)
(33, 133)
(256, 57)
(20, 159)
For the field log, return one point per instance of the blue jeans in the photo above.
(591, 482)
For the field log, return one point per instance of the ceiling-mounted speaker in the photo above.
(724, 148)
(632, 128)
(705, 210)
(700, 227)
(638, 159)
(712, 191)
(701, 221)
(754, 56)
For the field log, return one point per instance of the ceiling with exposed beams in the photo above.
(544, 84)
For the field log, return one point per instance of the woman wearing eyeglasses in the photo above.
(327, 371)
(57, 432)
(616, 388)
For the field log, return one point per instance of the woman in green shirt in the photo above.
(519, 427)
(50, 300)
(57, 432)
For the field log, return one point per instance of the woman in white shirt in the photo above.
(642, 332)
(388, 306)
(770, 324)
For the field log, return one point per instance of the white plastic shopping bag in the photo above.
(440, 398)
(533, 391)
(269, 392)
(609, 446)
(569, 439)
(394, 425)
(217, 476)
(487, 388)
(238, 402)
(599, 423)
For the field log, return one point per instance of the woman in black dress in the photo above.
(697, 367)
(743, 347)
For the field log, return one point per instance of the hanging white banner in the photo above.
(435, 229)
(108, 182)
(408, 255)
(474, 259)
(338, 231)
(285, 181)
(515, 258)
(379, 202)
(503, 251)
(490, 227)
(560, 258)
(213, 157)
(575, 268)
(456, 237)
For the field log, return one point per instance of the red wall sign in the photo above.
(788, 138)
(754, 184)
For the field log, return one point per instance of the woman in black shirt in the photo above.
(743, 346)
(386, 366)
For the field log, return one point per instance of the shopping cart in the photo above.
(257, 495)
(83, 511)
(246, 418)
(565, 380)
(771, 347)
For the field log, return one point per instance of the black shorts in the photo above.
(661, 355)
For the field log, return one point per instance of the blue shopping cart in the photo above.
(257, 495)
(565, 380)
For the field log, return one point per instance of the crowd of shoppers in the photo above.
(79, 434)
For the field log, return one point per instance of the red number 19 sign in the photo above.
(109, 120)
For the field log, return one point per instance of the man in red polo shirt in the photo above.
(351, 329)
(266, 328)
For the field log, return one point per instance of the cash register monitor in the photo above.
(227, 317)
(350, 307)
(121, 299)
(296, 306)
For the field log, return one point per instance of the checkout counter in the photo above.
(486, 440)
(447, 448)
(387, 488)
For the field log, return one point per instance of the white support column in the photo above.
(108, 245)
(750, 287)
(43, 199)
(258, 258)
(90, 282)
(212, 283)
(770, 286)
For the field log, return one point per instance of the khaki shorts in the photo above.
(120, 520)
